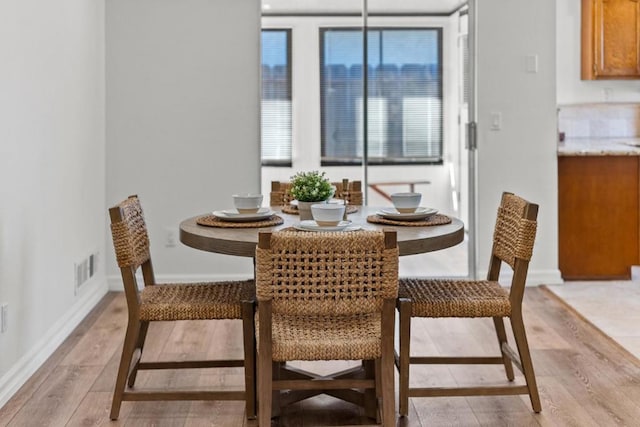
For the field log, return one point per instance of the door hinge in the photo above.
(472, 136)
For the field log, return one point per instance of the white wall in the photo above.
(182, 118)
(521, 157)
(570, 88)
(52, 174)
(159, 107)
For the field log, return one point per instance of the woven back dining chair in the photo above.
(326, 296)
(170, 302)
(351, 191)
(513, 241)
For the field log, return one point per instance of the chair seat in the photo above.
(455, 298)
(195, 301)
(338, 338)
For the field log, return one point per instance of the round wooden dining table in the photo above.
(243, 241)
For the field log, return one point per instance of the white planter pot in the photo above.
(304, 209)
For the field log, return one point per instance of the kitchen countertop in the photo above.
(599, 147)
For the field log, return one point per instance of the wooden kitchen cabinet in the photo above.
(598, 216)
(610, 39)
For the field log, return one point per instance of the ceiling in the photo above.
(374, 6)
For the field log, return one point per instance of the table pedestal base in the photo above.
(356, 385)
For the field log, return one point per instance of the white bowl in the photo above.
(406, 202)
(327, 214)
(247, 203)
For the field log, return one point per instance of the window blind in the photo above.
(276, 97)
(404, 79)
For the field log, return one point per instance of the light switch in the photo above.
(531, 63)
(496, 121)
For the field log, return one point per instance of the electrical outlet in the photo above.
(170, 237)
(4, 318)
(531, 63)
(496, 121)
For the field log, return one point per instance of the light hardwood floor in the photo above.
(585, 378)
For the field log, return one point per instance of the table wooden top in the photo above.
(243, 241)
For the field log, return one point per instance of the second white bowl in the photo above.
(327, 214)
(247, 203)
(406, 202)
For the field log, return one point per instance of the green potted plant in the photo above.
(309, 188)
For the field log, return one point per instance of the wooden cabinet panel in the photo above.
(610, 39)
(598, 216)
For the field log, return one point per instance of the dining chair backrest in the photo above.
(280, 195)
(345, 189)
(129, 232)
(319, 274)
(131, 244)
(513, 241)
(349, 190)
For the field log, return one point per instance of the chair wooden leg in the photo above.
(377, 377)
(502, 338)
(276, 375)
(264, 392)
(142, 336)
(249, 333)
(388, 393)
(387, 365)
(129, 347)
(265, 369)
(525, 358)
(404, 309)
(372, 370)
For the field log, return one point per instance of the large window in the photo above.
(404, 103)
(276, 97)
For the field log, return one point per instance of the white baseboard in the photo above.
(544, 277)
(27, 365)
(115, 282)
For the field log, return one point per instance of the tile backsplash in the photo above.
(599, 120)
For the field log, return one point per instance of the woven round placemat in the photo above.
(293, 210)
(214, 221)
(314, 231)
(437, 219)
